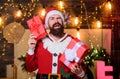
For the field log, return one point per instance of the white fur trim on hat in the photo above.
(50, 14)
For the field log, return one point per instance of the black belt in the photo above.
(53, 76)
(48, 76)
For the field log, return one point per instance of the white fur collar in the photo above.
(56, 46)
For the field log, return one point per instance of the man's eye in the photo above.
(59, 18)
(51, 18)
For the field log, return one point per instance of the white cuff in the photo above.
(30, 51)
(82, 74)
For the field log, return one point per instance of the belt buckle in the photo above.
(54, 76)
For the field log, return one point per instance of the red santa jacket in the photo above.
(47, 54)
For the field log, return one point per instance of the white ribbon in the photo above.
(70, 54)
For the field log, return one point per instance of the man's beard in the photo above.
(57, 32)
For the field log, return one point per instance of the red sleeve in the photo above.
(31, 62)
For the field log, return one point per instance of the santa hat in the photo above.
(50, 13)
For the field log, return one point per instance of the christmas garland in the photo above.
(22, 58)
(96, 54)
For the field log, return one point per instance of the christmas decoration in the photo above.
(13, 32)
(22, 58)
(96, 54)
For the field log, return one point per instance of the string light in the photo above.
(96, 24)
(78, 34)
(0, 20)
(99, 24)
(29, 8)
(61, 4)
(18, 13)
(76, 21)
(43, 12)
(3, 54)
(108, 5)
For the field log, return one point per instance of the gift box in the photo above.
(36, 27)
(74, 53)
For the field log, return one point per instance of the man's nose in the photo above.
(56, 20)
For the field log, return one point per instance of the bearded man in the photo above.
(45, 53)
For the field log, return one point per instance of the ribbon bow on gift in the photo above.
(71, 54)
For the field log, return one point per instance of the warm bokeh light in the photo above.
(99, 24)
(78, 34)
(109, 5)
(43, 12)
(96, 24)
(61, 4)
(18, 13)
(76, 21)
(0, 20)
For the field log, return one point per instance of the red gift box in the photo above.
(74, 53)
(36, 27)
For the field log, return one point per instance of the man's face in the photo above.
(56, 25)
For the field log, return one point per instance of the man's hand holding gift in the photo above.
(37, 30)
(74, 54)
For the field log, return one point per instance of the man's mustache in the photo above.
(56, 24)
